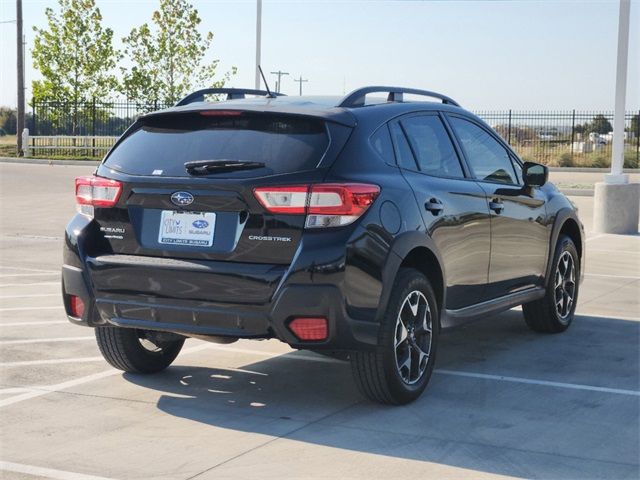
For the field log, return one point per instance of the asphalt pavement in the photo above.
(504, 401)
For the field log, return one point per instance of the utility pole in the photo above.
(20, 68)
(300, 81)
(280, 74)
(258, 40)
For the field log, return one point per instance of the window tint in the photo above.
(165, 142)
(432, 146)
(381, 142)
(403, 151)
(487, 159)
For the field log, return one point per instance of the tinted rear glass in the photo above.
(284, 143)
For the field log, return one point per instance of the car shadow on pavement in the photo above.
(484, 424)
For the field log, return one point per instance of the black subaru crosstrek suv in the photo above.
(356, 227)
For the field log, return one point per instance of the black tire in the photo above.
(546, 315)
(123, 349)
(377, 373)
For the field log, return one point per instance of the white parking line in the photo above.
(46, 472)
(46, 340)
(28, 284)
(604, 275)
(11, 390)
(53, 361)
(28, 324)
(6, 275)
(24, 269)
(82, 380)
(34, 295)
(23, 309)
(594, 237)
(573, 386)
(529, 381)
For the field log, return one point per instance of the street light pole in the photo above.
(20, 68)
(616, 201)
(258, 41)
(617, 154)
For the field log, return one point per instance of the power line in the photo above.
(280, 74)
(300, 81)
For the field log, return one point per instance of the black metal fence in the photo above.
(93, 118)
(557, 138)
(565, 138)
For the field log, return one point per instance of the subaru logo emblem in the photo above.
(182, 199)
(200, 224)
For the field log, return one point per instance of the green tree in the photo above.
(635, 127)
(75, 56)
(168, 57)
(8, 120)
(599, 124)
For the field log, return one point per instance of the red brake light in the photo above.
(96, 192)
(310, 329)
(326, 204)
(221, 113)
(292, 199)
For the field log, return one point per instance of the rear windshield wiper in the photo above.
(205, 167)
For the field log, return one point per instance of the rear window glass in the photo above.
(284, 143)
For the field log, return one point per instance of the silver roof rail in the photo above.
(394, 94)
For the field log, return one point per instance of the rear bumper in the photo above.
(210, 298)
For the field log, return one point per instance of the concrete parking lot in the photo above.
(504, 401)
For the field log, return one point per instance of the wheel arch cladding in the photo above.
(571, 229)
(426, 262)
(566, 223)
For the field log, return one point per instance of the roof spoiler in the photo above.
(394, 94)
(232, 94)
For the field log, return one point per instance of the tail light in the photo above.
(96, 192)
(325, 204)
(76, 306)
(310, 329)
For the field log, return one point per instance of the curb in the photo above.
(44, 161)
(577, 192)
(590, 170)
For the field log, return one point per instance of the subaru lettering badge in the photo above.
(182, 199)
(200, 224)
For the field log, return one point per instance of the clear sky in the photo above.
(518, 54)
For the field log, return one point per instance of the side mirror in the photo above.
(534, 174)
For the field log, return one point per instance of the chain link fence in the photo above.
(555, 138)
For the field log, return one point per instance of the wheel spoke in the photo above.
(401, 334)
(405, 364)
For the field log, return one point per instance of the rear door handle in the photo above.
(496, 205)
(434, 205)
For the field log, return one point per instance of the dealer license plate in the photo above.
(193, 229)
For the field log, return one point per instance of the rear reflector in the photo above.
(76, 306)
(310, 329)
(326, 204)
(96, 192)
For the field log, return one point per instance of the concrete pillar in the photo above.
(616, 207)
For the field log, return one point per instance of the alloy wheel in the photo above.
(565, 285)
(413, 337)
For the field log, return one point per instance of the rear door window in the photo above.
(164, 143)
(432, 146)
